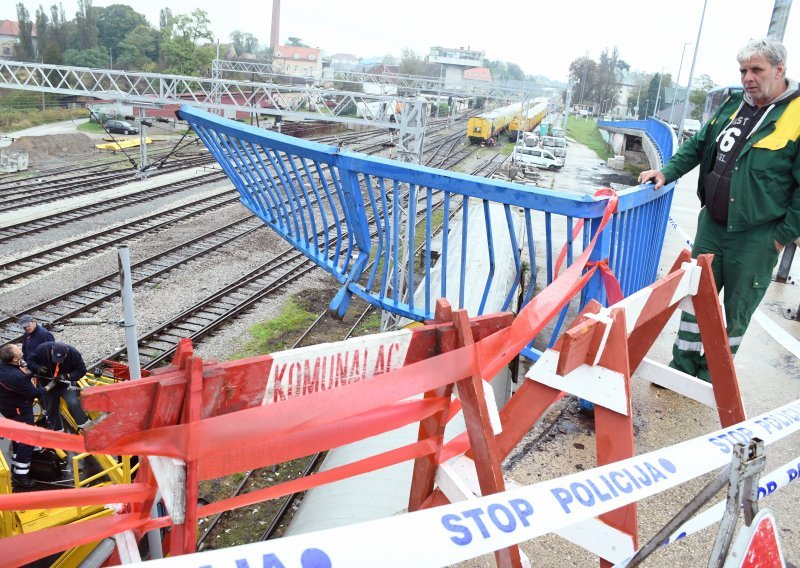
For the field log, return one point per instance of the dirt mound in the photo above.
(41, 148)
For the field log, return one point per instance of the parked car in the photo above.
(120, 127)
(536, 157)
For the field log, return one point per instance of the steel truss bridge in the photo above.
(223, 96)
(415, 83)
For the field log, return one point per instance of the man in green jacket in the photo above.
(748, 189)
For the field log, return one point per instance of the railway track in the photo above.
(45, 260)
(83, 184)
(206, 317)
(45, 178)
(87, 296)
(25, 228)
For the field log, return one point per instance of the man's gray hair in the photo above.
(769, 48)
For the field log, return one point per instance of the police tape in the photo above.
(459, 531)
(767, 485)
(687, 239)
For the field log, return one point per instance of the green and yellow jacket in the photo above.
(766, 175)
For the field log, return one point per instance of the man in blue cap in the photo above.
(35, 335)
(62, 364)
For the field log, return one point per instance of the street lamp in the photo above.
(691, 72)
(677, 83)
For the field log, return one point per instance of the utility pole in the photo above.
(780, 15)
(691, 72)
(677, 84)
(639, 94)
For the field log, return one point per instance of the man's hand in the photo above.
(654, 176)
(778, 246)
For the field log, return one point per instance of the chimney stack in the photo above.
(276, 20)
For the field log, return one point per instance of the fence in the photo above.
(373, 223)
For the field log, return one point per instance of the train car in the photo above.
(487, 126)
(534, 116)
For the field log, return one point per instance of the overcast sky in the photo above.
(542, 37)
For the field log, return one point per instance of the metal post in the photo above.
(639, 94)
(677, 83)
(780, 15)
(413, 119)
(128, 311)
(142, 144)
(691, 72)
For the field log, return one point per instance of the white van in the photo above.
(537, 157)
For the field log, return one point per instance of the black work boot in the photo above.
(23, 480)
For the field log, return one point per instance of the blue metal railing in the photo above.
(362, 218)
(659, 132)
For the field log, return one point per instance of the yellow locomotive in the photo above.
(534, 116)
(487, 126)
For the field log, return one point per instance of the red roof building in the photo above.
(9, 37)
(298, 61)
(478, 74)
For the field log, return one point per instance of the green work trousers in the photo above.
(742, 266)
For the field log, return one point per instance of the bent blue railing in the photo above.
(349, 213)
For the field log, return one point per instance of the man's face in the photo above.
(762, 81)
(29, 327)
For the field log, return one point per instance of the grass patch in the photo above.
(276, 333)
(585, 132)
(12, 119)
(91, 128)
(370, 324)
(507, 148)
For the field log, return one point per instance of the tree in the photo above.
(42, 32)
(296, 42)
(514, 72)
(504, 70)
(652, 95)
(180, 50)
(139, 49)
(97, 57)
(115, 22)
(583, 74)
(411, 63)
(607, 79)
(165, 20)
(700, 88)
(58, 27)
(244, 42)
(24, 49)
(86, 25)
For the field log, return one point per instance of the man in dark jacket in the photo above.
(35, 335)
(64, 366)
(749, 158)
(17, 392)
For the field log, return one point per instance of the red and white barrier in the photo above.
(456, 532)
